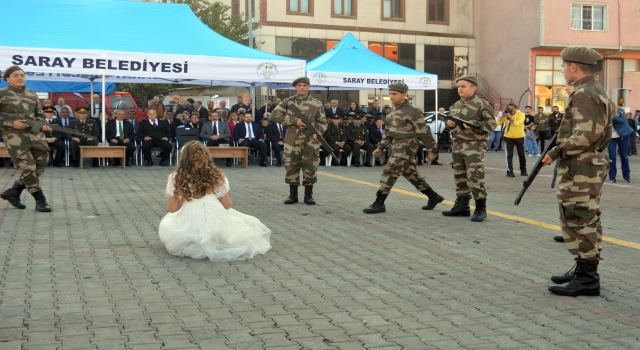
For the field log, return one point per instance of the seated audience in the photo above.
(121, 133)
(248, 135)
(155, 133)
(358, 138)
(216, 132)
(55, 139)
(86, 126)
(275, 133)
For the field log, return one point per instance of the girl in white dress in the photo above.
(200, 223)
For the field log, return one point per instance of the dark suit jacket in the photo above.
(339, 111)
(111, 130)
(241, 131)
(204, 114)
(262, 110)
(236, 107)
(192, 126)
(273, 134)
(163, 130)
(136, 125)
(374, 134)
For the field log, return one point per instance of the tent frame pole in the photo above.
(437, 122)
(103, 112)
(252, 92)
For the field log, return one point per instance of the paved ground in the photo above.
(93, 274)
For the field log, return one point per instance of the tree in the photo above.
(216, 16)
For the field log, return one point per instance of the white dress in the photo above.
(203, 228)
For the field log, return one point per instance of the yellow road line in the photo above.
(495, 213)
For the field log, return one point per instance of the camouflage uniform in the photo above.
(584, 133)
(28, 148)
(469, 146)
(301, 152)
(405, 128)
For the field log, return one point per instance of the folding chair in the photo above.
(182, 137)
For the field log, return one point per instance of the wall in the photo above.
(632, 82)
(505, 31)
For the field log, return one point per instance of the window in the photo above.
(298, 7)
(393, 9)
(587, 17)
(346, 8)
(631, 65)
(549, 82)
(439, 60)
(253, 9)
(403, 54)
(302, 48)
(438, 11)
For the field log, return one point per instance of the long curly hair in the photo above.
(196, 175)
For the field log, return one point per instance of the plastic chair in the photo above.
(182, 137)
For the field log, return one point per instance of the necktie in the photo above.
(154, 124)
(120, 131)
(381, 133)
(118, 105)
(281, 133)
(215, 128)
(64, 123)
(250, 131)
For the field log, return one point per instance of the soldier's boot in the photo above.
(586, 280)
(293, 195)
(12, 195)
(378, 205)
(41, 202)
(308, 195)
(434, 198)
(460, 208)
(567, 277)
(481, 210)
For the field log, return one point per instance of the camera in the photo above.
(507, 111)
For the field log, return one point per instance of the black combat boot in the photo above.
(41, 202)
(586, 280)
(434, 198)
(378, 205)
(481, 210)
(558, 238)
(567, 277)
(308, 193)
(460, 208)
(293, 195)
(12, 195)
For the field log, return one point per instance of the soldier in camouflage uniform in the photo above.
(405, 129)
(336, 137)
(358, 138)
(584, 134)
(28, 148)
(468, 149)
(301, 152)
(86, 126)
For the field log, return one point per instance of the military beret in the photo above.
(470, 78)
(301, 80)
(48, 110)
(398, 86)
(333, 116)
(581, 54)
(352, 113)
(359, 115)
(82, 110)
(346, 117)
(10, 70)
(368, 116)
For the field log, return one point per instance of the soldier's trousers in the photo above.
(468, 168)
(300, 153)
(30, 154)
(579, 191)
(74, 147)
(401, 166)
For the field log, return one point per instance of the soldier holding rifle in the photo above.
(584, 134)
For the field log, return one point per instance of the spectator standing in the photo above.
(184, 107)
(633, 151)
(267, 108)
(555, 119)
(223, 106)
(540, 122)
(61, 104)
(239, 105)
(204, 114)
(158, 106)
(514, 137)
(620, 136)
(532, 141)
(496, 135)
(120, 103)
(334, 109)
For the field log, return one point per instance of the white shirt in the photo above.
(64, 122)
(118, 125)
(249, 131)
(96, 110)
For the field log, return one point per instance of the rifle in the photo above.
(536, 169)
(38, 124)
(311, 130)
(461, 123)
(555, 174)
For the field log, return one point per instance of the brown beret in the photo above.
(48, 110)
(82, 110)
(470, 78)
(398, 86)
(301, 80)
(581, 54)
(10, 70)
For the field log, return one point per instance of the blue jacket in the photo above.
(620, 124)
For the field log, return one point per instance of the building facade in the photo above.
(434, 36)
(519, 44)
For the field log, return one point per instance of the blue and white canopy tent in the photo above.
(61, 86)
(117, 40)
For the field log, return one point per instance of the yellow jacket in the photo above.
(513, 130)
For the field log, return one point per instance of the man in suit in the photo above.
(217, 132)
(334, 109)
(376, 133)
(65, 118)
(155, 133)
(120, 103)
(97, 106)
(275, 134)
(120, 133)
(248, 135)
(86, 126)
(336, 137)
(131, 117)
(358, 138)
(239, 105)
(158, 106)
(204, 114)
(55, 139)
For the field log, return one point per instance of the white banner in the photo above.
(371, 81)
(135, 66)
